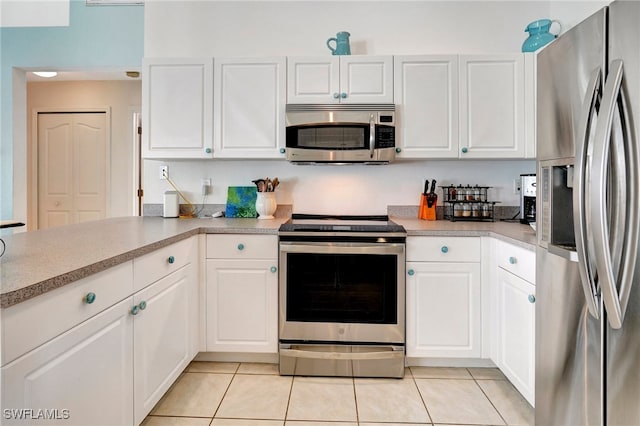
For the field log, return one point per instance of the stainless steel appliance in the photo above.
(342, 296)
(587, 282)
(340, 134)
(527, 198)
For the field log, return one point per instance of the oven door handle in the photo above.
(349, 356)
(342, 248)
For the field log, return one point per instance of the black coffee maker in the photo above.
(527, 198)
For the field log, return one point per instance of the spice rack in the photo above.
(467, 203)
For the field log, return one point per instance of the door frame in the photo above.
(32, 185)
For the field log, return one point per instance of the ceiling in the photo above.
(82, 75)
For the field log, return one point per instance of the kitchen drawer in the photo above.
(443, 249)
(158, 264)
(242, 246)
(517, 260)
(33, 322)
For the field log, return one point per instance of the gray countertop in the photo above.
(39, 261)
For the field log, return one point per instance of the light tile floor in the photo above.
(234, 394)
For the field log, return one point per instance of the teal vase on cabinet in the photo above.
(539, 34)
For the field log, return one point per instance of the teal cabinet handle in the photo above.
(171, 259)
(134, 310)
(90, 298)
(142, 305)
(240, 246)
(444, 249)
(513, 260)
(532, 298)
(336, 95)
(411, 272)
(282, 150)
(464, 149)
(398, 150)
(343, 95)
(207, 150)
(274, 269)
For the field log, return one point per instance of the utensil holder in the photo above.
(266, 205)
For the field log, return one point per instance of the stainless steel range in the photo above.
(342, 296)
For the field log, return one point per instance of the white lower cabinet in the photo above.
(513, 315)
(443, 297)
(82, 377)
(242, 293)
(516, 335)
(112, 367)
(163, 336)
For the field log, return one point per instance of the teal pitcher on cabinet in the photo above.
(342, 44)
(539, 34)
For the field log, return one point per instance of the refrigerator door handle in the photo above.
(580, 182)
(615, 292)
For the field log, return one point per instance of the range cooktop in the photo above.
(341, 223)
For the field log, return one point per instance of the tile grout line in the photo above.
(286, 412)
(225, 392)
(487, 396)
(355, 399)
(421, 397)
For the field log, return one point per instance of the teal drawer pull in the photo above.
(240, 246)
(142, 305)
(134, 310)
(90, 298)
(336, 95)
(532, 298)
(207, 150)
(464, 149)
(444, 249)
(274, 269)
(513, 260)
(398, 150)
(411, 272)
(282, 150)
(171, 259)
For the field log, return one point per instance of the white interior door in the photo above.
(72, 168)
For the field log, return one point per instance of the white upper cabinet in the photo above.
(340, 79)
(249, 107)
(426, 98)
(177, 100)
(492, 118)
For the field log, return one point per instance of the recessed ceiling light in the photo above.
(45, 74)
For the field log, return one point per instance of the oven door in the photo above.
(342, 292)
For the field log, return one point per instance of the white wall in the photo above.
(123, 97)
(354, 189)
(289, 28)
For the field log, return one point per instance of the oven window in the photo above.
(349, 288)
(329, 137)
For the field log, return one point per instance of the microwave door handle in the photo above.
(372, 135)
(580, 182)
(615, 302)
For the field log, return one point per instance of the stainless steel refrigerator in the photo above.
(588, 277)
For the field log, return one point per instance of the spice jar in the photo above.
(466, 210)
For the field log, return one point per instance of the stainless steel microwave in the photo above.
(340, 134)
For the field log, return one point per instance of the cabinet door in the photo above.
(443, 310)
(366, 79)
(242, 305)
(313, 80)
(83, 376)
(163, 332)
(516, 335)
(177, 102)
(249, 107)
(426, 98)
(492, 106)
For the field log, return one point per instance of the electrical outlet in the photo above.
(164, 172)
(206, 185)
(516, 186)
